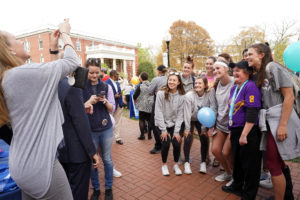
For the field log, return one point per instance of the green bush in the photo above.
(147, 67)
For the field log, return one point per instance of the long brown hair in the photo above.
(261, 48)
(7, 61)
(180, 87)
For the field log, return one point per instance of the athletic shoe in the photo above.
(177, 170)
(116, 173)
(230, 189)
(267, 183)
(229, 183)
(223, 177)
(165, 170)
(216, 163)
(203, 167)
(187, 168)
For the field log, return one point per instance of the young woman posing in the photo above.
(221, 147)
(168, 119)
(282, 121)
(194, 100)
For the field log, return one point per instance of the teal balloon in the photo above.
(291, 57)
(207, 117)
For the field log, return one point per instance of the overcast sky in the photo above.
(143, 21)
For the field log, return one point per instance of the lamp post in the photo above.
(168, 39)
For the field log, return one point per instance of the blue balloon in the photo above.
(207, 117)
(291, 57)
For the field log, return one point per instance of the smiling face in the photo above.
(94, 74)
(199, 85)
(220, 71)
(173, 82)
(254, 58)
(240, 76)
(209, 65)
(16, 46)
(187, 69)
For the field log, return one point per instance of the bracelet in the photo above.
(53, 52)
(68, 45)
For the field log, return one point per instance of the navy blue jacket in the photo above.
(78, 143)
(118, 101)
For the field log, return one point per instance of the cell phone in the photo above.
(101, 94)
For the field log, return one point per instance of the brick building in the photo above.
(115, 54)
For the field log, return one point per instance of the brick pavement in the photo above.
(142, 178)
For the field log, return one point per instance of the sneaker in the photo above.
(267, 183)
(154, 151)
(95, 195)
(165, 170)
(229, 183)
(142, 137)
(187, 168)
(116, 173)
(108, 194)
(223, 177)
(264, 175)
(203, 167)
(230, 189)
(216, 163)
(177, 170)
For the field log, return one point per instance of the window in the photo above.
(78, 45)
(42, 60)
(27, 46)
(28, 61)
(40, 43)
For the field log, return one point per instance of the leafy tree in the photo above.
(143, 54)
(188, 39)
(147, 67)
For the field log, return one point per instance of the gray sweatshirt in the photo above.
(193, 103)
(36, 117)
(169, 113)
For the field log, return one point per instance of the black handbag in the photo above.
(81, 76)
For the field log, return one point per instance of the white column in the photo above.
(133, 68)
(125, 66)
(102, 61)
(114, 64)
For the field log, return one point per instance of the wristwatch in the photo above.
(53, 52)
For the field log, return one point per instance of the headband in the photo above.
(221, 63)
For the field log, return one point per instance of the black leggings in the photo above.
(166, 146)
(143, 118)
(204, 144)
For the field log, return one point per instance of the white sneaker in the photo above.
(187, 168)
(267, 183)
(177, 170)
(165, 170)
(229, 183)
(223, 177)
(116, 173)
(203, 167)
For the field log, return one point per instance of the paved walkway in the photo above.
(142, 178)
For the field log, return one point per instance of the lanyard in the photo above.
(234, 97)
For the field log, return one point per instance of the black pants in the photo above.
(166, 146)
(246, 161)
(79, 176)
(143, 118)
(156, 131)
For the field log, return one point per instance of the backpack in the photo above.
(296, 88)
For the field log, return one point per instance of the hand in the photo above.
(164, 136)
(281, 133)
(89, 108)
(186, 133)
(178, 137)
(93, 99)
(95, 158)
(117, 96)
(103, 100)
(54, 40)
(243, 140)
(210, 132)
(64, 27)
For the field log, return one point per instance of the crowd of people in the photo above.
(59, 130)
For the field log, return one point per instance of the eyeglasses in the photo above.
(94, 61)
(174, 73)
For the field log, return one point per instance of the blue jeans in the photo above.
(104, 140)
